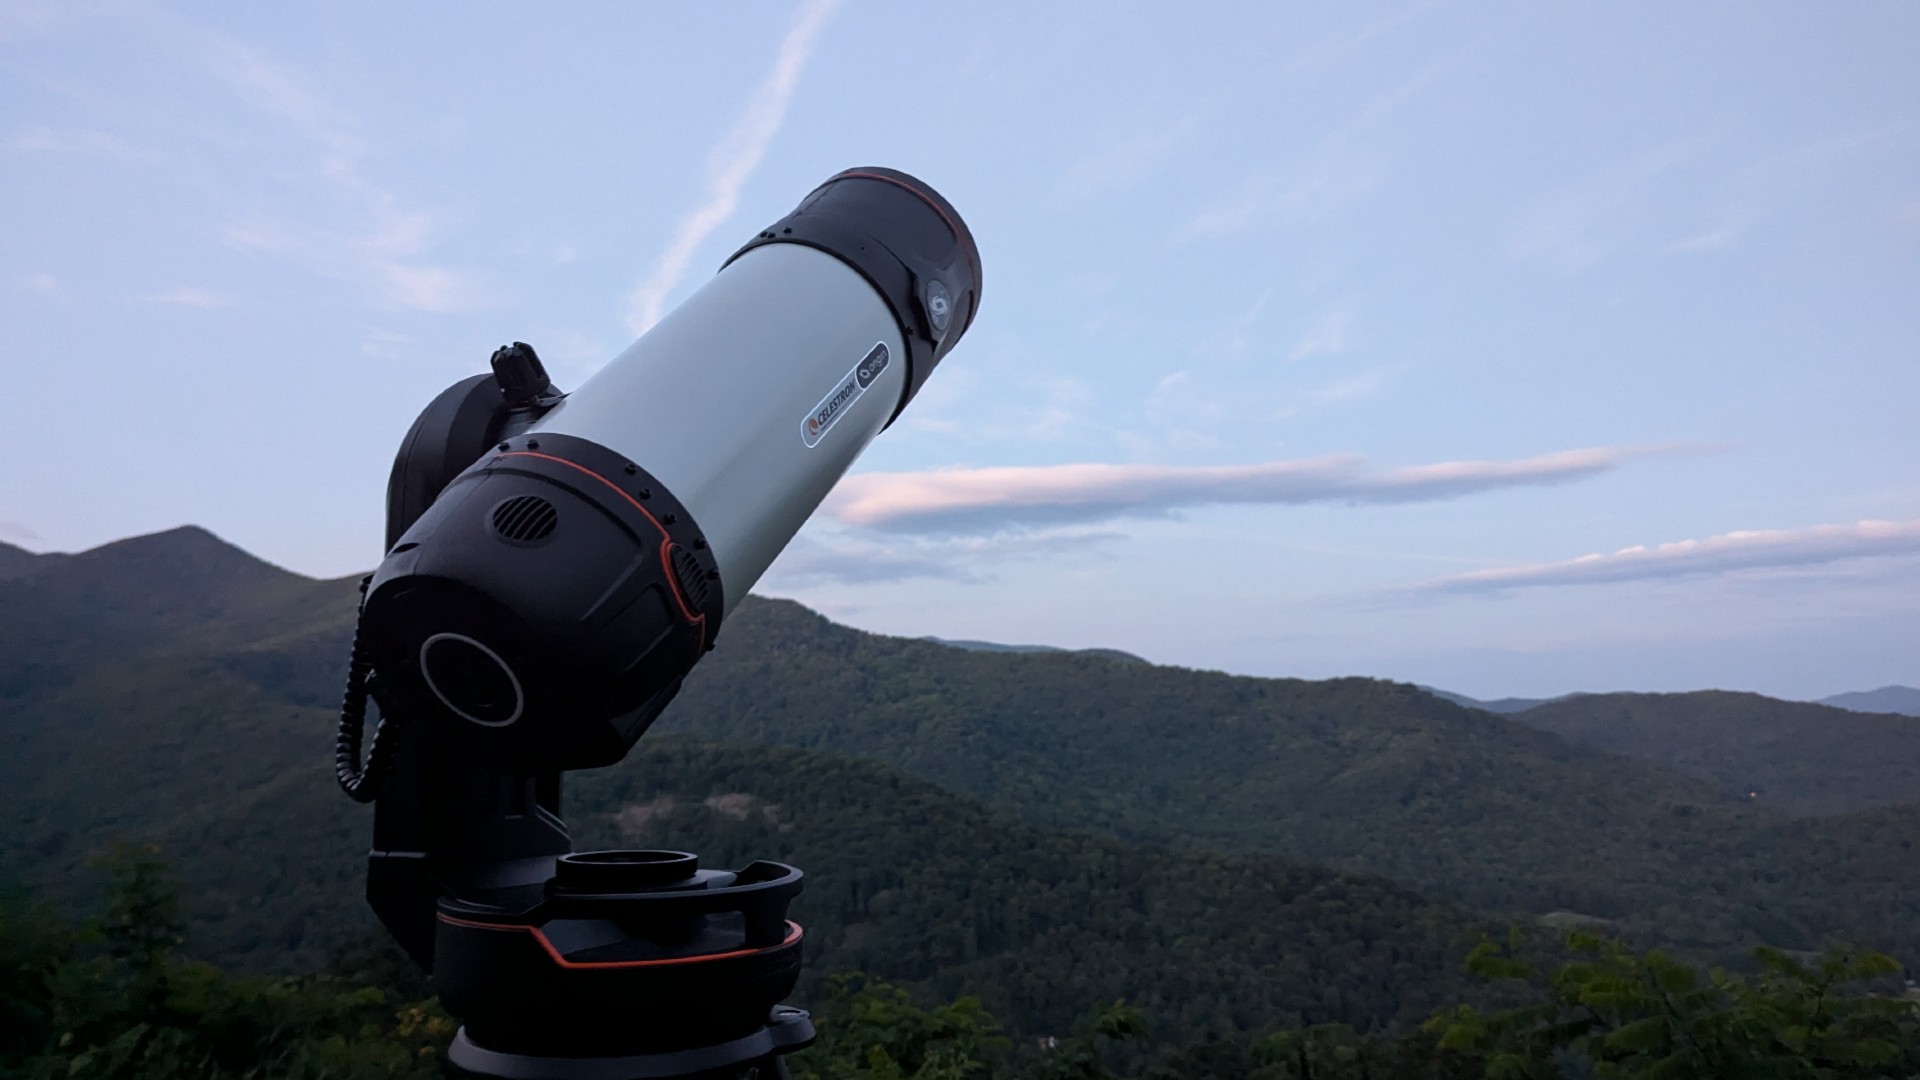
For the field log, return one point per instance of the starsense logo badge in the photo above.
(841, 398)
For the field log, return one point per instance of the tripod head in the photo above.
(556, 565)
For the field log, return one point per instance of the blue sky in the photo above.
(1512, 348)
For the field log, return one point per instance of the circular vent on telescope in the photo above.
(525, 519)
(692, 579)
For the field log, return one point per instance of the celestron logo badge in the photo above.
(834, 405)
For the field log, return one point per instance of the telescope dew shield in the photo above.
(553, 596)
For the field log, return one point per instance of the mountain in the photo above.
(994, 646)
(1497, 705)
(938, 891)
(175, 686)
(15, 561)
(177, 734)
(1797, 758)
(1904, 700)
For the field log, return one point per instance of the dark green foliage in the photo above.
(935, 892)
(1612, 1012)
(1089, 1054)
(117, 1001)
(1796, 758)
(870, 1030)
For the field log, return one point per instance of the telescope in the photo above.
(556, 564)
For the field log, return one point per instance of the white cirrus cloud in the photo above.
(356, 230)
(190, 296)
(732, 162)
(67, 141)
(845, 558)
(991, 499)
(1750, 549)
(1333, 333)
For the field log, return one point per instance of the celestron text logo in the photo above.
(823, 416)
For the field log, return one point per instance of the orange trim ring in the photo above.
(794, 934)
(666, 538)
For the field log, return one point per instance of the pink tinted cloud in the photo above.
(1743, 550)
(977, 499)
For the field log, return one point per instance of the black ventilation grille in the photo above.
(693, 579)
(525, 519)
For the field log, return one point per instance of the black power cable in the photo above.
(362, 784)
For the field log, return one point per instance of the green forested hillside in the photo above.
(172, 685)
(1370, 775)
(1796, 758)
(937, 892)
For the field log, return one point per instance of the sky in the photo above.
(1514, 349)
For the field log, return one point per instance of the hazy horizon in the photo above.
(966, 642)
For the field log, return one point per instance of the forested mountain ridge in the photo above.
(1345, 770)
(15, 561)
(1797, 758)
(939, 892)
(210, 713)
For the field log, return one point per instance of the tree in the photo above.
(1628, 1015)
(117, 1001)
(870, 1030)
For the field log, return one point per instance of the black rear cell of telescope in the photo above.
(927, 268)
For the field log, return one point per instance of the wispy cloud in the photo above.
(1728, 552)
(18, 533)
(1124, 161)
(189, 296)
(1332, 334)
(851, 559)
(1337, 169)
(386, 344)
(46, 140)
(1354, 387)
(1712, 240)
(732, 162)
(1576, 225)
(381, 250)
(40, 282)
(984, 500)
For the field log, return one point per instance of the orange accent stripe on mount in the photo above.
(794, 934)
(666, 538)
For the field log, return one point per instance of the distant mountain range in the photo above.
(1904, 700)
(175, 686)
(1502, 706)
